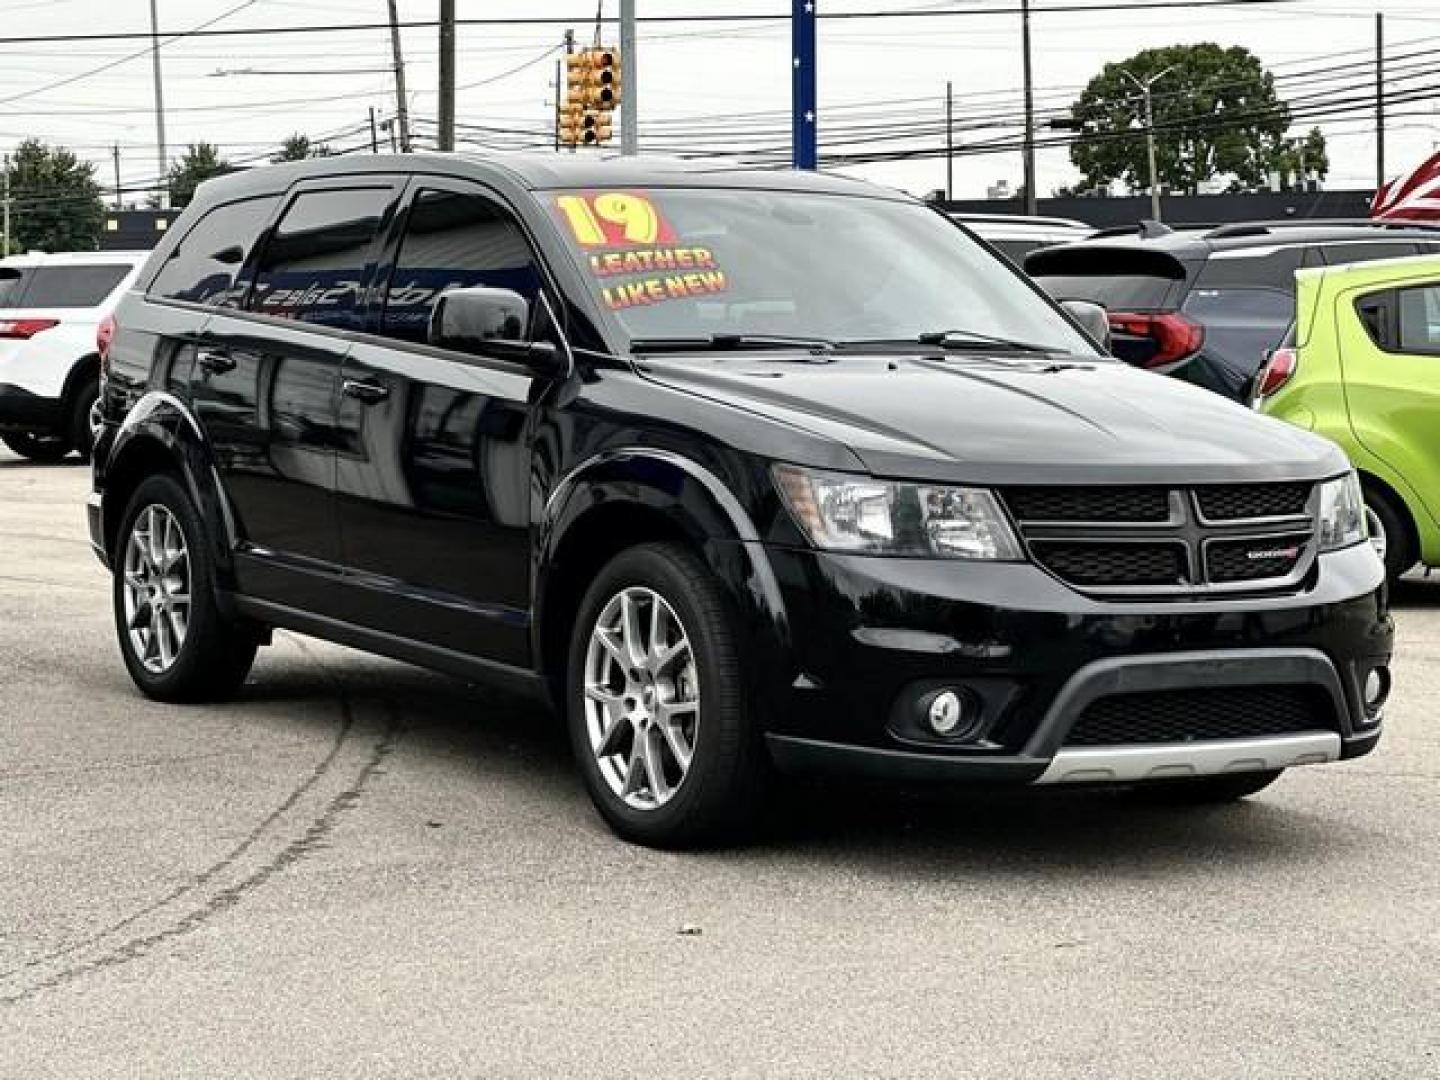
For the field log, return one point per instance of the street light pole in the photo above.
(629, 68)
(1031, 204)
(161, 157)
(1144, 87)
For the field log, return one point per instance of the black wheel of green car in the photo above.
(657, 709)
(82, 418)
(177, 644)
(42, 448)
(1200, 790)
(1391, 531)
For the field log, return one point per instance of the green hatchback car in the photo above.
(1361, 365)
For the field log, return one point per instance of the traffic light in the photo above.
(592, 91)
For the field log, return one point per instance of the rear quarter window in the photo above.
(205, 266)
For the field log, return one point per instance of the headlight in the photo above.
(842, 512)
(1342, 513)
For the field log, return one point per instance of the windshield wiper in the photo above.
(720, 342)
(974, 341)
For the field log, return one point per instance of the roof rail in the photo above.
(1259, 228)
(1146, 229)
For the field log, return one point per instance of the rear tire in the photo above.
(632, 713)
(46, 449)
(82, 438)
(177, 644)
(1205, 790)
(1395, 531)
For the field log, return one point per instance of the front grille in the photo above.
(1195, 715)
(1161, 564)
(1235, 502)
(1119, 504)
(1255, 559)
(1139, 539)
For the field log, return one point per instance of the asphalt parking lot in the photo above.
(364, 869)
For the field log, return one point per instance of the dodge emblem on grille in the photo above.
(1273, 553)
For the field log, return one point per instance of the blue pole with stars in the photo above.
(803, 110)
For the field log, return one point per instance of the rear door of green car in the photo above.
(1391, 355)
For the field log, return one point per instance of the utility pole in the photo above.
(1030, 203)
(447, 74)
(5, 202)
(374, 135)
(629, 111)
(402, 115)
(562, 71)
(804, 120)
(949, 141)
(115, 152)
(1145, 86)
(1379, 100)
(162, 159)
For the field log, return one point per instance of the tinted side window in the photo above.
(1336, 254)
(71, 286)
(316, 263)
(203, 266)
(1419, 310)
(454, 241)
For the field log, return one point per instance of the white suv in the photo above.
(51, 307)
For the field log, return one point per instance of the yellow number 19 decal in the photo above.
(613, 219)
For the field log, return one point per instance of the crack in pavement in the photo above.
(311, 837)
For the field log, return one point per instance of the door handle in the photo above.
(365, 391)
(216, 363)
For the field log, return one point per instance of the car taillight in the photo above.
(25, 328)
(1174, 335)
(1276, 372)
(104, 334)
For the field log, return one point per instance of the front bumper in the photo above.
(865, 633)
(21, 410)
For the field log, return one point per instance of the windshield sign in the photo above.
(695, 263)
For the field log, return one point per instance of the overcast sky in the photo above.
(733, 77)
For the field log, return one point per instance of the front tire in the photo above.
(1392, 533)
(177, 644)
(1207, 790)
(658, 715)
(45, 449)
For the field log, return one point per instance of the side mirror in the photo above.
(1092, 318)
(492, 322)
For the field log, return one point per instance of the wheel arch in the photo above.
(1373, 481)
(83, 370)
(160, 434)
(623, 498)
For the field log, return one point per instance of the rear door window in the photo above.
(317, 262)
(204, 266)
(76, 285)
(1419, 311)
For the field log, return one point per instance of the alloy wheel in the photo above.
(157, 588)
(642, 698)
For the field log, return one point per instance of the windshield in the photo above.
(693, 263)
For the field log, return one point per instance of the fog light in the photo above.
(1377, 689)
(947, 712)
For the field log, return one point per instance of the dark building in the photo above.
(134, 230)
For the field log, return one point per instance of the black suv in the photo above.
(740, 470)
(1207, 304)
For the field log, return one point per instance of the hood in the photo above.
(1006, 420)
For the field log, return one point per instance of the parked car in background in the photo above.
(1016, 235)
(1362, 367)
(1206, 304)
(51, 308)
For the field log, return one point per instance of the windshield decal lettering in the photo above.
(656, 290)
(614, 219)
(647, 260)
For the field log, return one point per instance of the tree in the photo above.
(56, 201)
(1217, 115)
(298, 147)
(1299, 159)
(199, 163)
